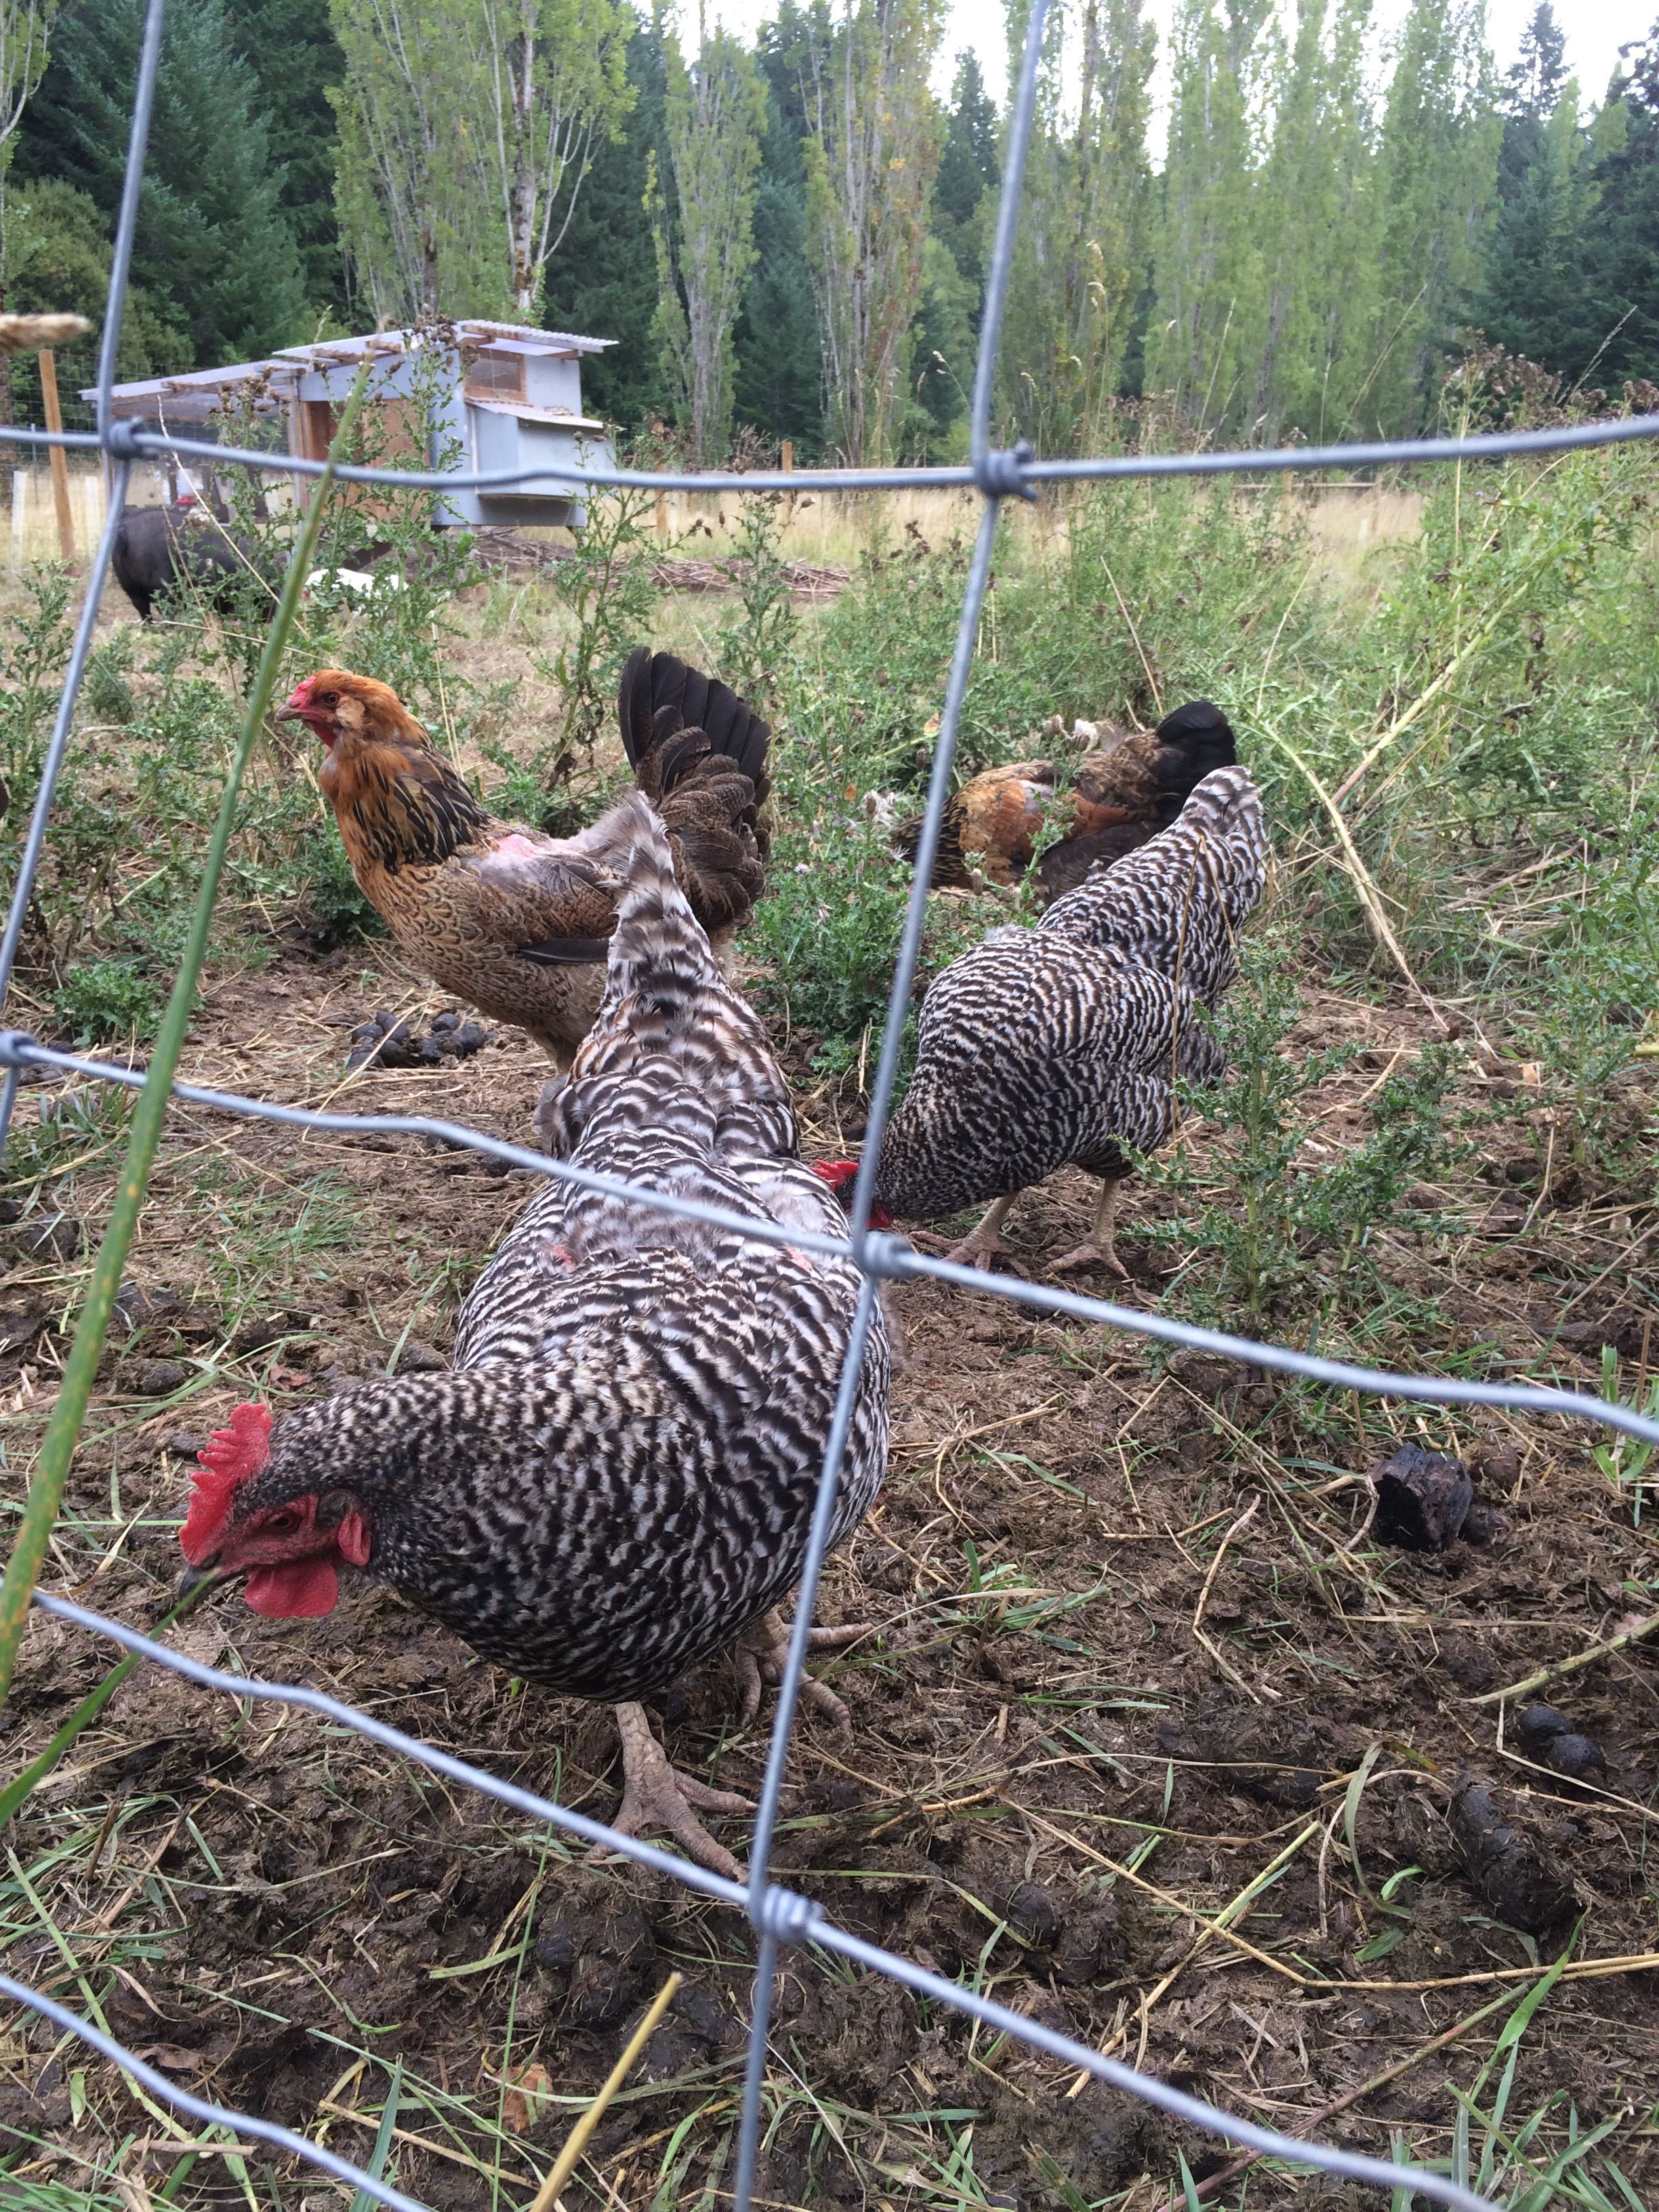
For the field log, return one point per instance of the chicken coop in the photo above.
(505, 397)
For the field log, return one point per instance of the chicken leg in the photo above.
(655, 1797)
(982, 1246)
(763, 1649)
(1096, 1249)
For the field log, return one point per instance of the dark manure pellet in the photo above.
(1423, 1498)
(1517, 1878)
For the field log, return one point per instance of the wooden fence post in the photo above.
(60, 490)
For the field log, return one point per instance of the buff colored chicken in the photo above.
(514, 921)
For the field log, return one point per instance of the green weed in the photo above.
(105, 1000)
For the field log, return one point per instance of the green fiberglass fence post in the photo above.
(46, 1490)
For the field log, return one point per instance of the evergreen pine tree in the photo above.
(603, 281)
(1612, 332)
(1528, 301)
(214, 250)
(290, 47)
(779, 384)
(968, 172)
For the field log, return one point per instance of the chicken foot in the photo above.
(981, 1245)
(655, 1797)
(763, 1650)
(1097, 1249)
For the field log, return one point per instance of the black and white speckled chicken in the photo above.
(617, 1477)
(1062, 1043)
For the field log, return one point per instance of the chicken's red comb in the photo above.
(840, 1175)
(224, 1463)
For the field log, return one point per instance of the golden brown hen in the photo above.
(515, 921)
(1120, 794)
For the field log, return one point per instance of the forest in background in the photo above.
(788, 239)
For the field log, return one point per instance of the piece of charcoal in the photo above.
(471, 1037)
(1423, 1498)
(449, 1019)
(1518, 1880)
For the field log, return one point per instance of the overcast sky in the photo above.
(1596, 30)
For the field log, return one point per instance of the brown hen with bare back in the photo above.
(1120, 793)
(514, 921)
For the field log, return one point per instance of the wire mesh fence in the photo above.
(778, 1916)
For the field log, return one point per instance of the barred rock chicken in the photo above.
(617, 1477)
(1122, 793)
(1061, 1044)
(512, 920)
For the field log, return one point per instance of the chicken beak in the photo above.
(193, 1577)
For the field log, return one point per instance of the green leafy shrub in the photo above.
(757, 640)
(103, 1000)
(335, 911)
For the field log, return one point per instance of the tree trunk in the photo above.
(526, 276)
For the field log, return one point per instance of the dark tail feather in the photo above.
(653, 683)
(1193, 741)
(950, 870)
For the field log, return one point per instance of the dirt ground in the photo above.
(1155, 1737)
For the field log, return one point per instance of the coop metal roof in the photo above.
(196, 393)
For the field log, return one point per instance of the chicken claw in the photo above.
(655, 1797)
(1097, 1249)
(983, 1245)
(762, 1651)
(1091, 1253)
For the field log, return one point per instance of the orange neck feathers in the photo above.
(399, 805)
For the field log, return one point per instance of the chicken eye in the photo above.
(329, 698)
(282, 1523)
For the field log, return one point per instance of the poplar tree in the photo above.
(1083, 219)
(870, 149)
(466, 128)
(1315, 212)
(1437, 178)
(413, 223)
(1204, 342)
(715, 120)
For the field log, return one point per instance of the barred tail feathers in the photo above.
(659, 947)
(1185, 895)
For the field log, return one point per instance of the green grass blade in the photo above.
(23, 1785)
(362, 2202)
(46, 1490)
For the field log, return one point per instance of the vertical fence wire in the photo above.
(777, 1915)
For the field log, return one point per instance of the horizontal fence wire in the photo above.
(1014, 473)
(879, 1252)
(777, 1915)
